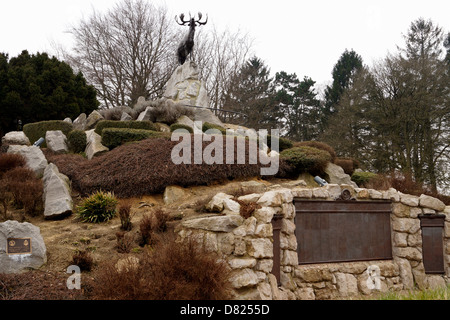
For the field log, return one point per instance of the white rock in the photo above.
(432, 203)
(21, 262)
(80, 122)
(173, 194)
(92, 120)
(216, 203)
(34, 157)
(57, 198)
(94, 146)
(56, 141)
(337, 175)
(17, 138)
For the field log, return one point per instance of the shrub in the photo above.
(76, 140)
(99, 207)
(146, 168)
(83, 260)
(318, 145)
(283, 143)
(26, 189)
(124, 242)
(10, 161)
(170, 271)
(37, 130)
(176, 126)
(363, 178)
(348, 164)
(154, 223)
(143, 125)
(125, 215)
(114, 137)
(306, 159)
(207, 126)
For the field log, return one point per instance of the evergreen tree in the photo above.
(37, 88)
(298, 106)
(251, 93)
(348, 64)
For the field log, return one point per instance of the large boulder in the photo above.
(31, 253)
(80, 122)
(185, 86)
(34, 157)
(94, 146)
(92, 120)
(57, 199)
(336, 175)
(56, 141)
(17, 138)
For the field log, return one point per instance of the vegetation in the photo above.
(35, 131)
(19, 185)
(114, 137)
(306, 159)
(37, 87)
(170, 271)
(207, 126)
(143, 125)
(76, 140)
(176, 126)
(99, 207)
(429, 294)
(363, 178)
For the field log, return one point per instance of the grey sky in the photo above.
(305, 37)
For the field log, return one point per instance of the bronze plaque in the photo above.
(18, 246)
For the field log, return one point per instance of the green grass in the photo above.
(429, 294)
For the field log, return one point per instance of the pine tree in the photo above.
(251, 93)
(298, 106)
(37, 88)
(348, 64)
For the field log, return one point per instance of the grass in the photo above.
(429, 294)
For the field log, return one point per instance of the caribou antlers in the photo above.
(191, 22)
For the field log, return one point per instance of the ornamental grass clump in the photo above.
(99, 207)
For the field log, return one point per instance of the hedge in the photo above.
(36, 130)
(131, 124)
(283, 143)
(176, 126)
(207, 126)
(306, 159)
(76, 139)
(361, 178)
(114, 137)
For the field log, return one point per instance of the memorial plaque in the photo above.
(18, 246)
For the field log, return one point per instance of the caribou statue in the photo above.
(187, 45)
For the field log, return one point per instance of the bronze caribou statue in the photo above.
(187, 44)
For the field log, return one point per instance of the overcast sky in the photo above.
(296, 36)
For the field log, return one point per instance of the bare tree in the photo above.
(220, 55)
(127, 52)
(131, 51)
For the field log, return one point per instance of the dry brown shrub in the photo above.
(9, 161)
(146, 168)
(37, 285)
(26, 189)
(170, 271)
(83, 260)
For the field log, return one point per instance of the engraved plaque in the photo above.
(18, 246)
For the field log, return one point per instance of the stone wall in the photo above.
(247, 245)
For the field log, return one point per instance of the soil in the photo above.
(63, 238)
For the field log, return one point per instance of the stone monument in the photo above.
(21, 247)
